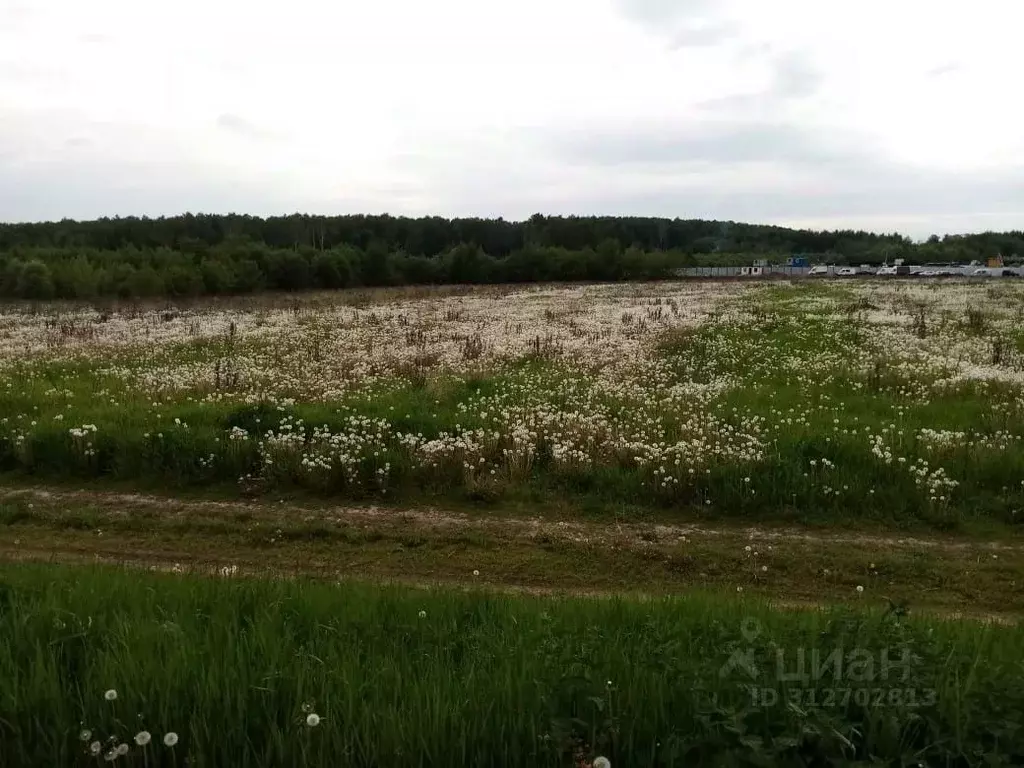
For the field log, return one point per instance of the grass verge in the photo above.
(427, 677)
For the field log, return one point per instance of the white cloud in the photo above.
(792, 112)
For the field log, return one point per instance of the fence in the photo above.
(783, 271)
(743, 271)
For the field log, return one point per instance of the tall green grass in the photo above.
(404, 677)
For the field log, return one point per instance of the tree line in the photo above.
(194, 255)
(239, 268)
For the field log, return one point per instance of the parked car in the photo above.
(883, 271)
(847, 272)
(818, 271)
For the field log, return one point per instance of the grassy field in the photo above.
(895, 403)
(558, 464)
(234, 667)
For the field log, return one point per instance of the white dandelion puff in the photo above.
(142, 738)
(312, 719)
(110, 695)
(601, 762)
(170, 739)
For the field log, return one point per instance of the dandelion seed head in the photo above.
(142, 738)
(312, 719)
(170, 738)
(110, 695)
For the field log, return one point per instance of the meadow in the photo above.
(150, 669)
(894, 402)
(542, 470)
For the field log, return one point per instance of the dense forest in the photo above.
(192, 255)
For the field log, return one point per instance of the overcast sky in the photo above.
(887, 115)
